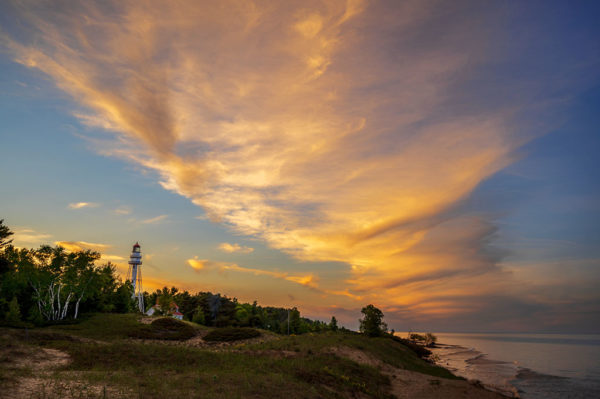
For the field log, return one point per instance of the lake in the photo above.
(530, 366)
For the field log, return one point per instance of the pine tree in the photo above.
(333, 324)
(13, 316)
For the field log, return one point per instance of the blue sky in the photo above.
(438, 160)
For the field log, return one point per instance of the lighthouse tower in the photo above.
(135, 276)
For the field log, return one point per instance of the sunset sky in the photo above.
(440, 160)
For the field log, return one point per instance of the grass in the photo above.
(166, 328)
(382, 348)
(229, 334)
(103, 357)
(100, 326)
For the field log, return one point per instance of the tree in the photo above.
(372, 323)
(198, 317)
(430, 340)
(13, 316)
(58, 279)
(333, 324)
(4, 234)
(165, 299)
(121, 298)
(294, 320)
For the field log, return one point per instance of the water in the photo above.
(529, 366)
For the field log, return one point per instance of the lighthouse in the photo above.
(135, 276)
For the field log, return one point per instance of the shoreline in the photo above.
(477, 368)
(511, 379)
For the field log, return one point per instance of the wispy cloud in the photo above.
(27, 237)
(123, 210)
(308, 280)
(113, 258)
(340, 132)
(230, 248)
(155, 220)
(80, 205)
(73, 246)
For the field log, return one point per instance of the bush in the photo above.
(420, 350)
(228, 334)
(166, 328)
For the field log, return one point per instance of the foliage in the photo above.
(53, 285)
(372, 323)
(333, 324)
(198, 317)
(4, 234)
(430, 340)
(416, 337)
(165, 328)
(13, 316)
(419, 350)
(231, 334)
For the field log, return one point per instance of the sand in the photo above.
(409, 384)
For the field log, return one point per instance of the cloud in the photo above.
(335, 131)
(26, 237)
(308, 280)
(73, 246)
(155, 220)
(113, 258)
(123, 210)
(230, 248)
(79, 205)
(196, 263)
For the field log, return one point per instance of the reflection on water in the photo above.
(530, 366)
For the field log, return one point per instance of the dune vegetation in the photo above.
(98, 357)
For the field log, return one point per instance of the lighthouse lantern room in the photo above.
(135, 276)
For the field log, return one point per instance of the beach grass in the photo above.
(106, 362)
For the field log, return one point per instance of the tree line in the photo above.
(52, 285)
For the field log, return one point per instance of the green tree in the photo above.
(165, 299)
(333, 324)
(295, 323)
(4, 234)
(198, 317)
(5, 265)
(13, 316)
(372, 323)
(122, 299)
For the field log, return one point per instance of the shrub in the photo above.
(166, 328)
(430, 340)
(419, 350)
(228, 334)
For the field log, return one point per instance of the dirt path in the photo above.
(32, 372)
(409, 384)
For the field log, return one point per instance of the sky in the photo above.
(436, 159)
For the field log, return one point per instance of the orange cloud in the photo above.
(307, 280)
(79, 205)
(26, 237)
(230, 248)
(155, 220)
(298, 130)
(196, 263)
(73, 246)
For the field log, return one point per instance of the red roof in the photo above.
(177, 313)
(136, 245)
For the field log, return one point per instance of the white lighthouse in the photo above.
(135, 275)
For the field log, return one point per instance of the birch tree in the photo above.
(60, 279)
